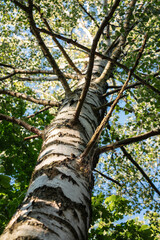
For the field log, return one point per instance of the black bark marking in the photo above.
(49, 151)
(65, 162)
(70, 179)
(62, 134)
(57, 195)
(82, 235)
(29, 237)
(29, 221)
(59, 220)
(51, 154)
(57, 142)
(93, 125)
(50, 170)
(92, 112)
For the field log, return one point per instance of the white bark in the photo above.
(57, 203)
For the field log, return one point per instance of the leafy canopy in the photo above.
(136, 113)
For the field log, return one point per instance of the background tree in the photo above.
(83, 77)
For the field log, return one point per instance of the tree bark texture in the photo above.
(58, 202)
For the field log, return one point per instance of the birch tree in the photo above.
(79, 65)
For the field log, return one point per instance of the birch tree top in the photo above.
(51, 49)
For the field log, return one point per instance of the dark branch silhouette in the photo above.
(128, 155)
(94, 20)
(109, 178)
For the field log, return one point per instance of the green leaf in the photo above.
(5, 181)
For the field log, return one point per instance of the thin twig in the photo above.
(126, 109)
(88, 14)
(128, 155)
(31, 137)
(117, 90)
(109, 178)
(109, 103)
(40, 111)
(147, 84)
(112, 86)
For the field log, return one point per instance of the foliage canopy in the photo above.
(74, 24)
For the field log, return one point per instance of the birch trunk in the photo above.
(58, 202)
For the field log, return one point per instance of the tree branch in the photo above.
(44, 48)
(51, 60)
(117, 90)
(117, 51)
(40, 111)
(29, 98)
(31, 137)
(99, 129)
(108, 178)
(109, 103)
(113, 44)
(22, 123)
(47, 53)
(53, 78)
(7, 65)
(75, 43)
(128, 155)
(112, 86)
(20, 5)
(35, 71)
(69, 60)
(31, 78)
(127, 109)
(88, 14)
(91, 60)
(40, 71)
(65, 39)
(129, 141)
(8, 76)
(146, 84)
